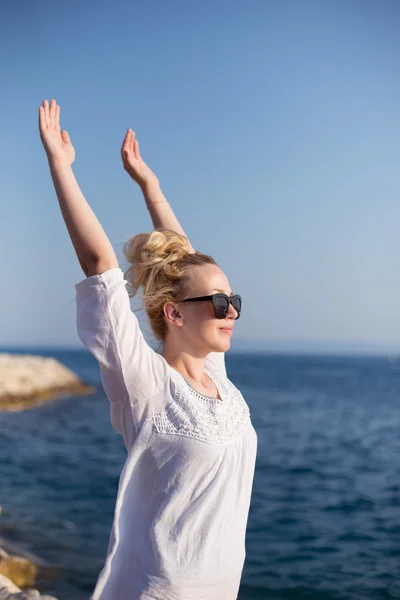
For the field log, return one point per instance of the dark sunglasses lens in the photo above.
(237, 304)
(220, 307)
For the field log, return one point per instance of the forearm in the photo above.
(161, 213)
(91, 243)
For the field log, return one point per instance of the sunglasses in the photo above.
(221, 304)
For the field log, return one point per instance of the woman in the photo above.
(184, 493)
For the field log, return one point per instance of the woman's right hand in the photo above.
(56, 143)
(133, 162)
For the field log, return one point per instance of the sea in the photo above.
(324, 521)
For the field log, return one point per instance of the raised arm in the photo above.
(92, 246)
(160, 210)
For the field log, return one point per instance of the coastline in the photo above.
(29, 380)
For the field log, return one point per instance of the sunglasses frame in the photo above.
(213, 298)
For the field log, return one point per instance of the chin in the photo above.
(221, 345)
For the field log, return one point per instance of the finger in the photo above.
(132, 141)
(136, 149)
(125, 147)
(52, 111)
(46, 112)
(58, 110)
(65, 137)
(42, 119)
(125, 143)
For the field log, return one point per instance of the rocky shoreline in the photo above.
(15, 568)
(27, 380)
(10, 591)
(17, 572)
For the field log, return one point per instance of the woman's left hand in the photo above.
(133, 162)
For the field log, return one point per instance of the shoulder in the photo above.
(215, 362)
(106, 279)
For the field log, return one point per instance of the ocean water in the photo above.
(324, 521)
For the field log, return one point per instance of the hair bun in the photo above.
(149, 253)
(167, 245)
(161, 245)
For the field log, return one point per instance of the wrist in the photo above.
(150, 186)
(153, 194)
(56, 164)
(150, 204)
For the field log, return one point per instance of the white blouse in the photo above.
(184, 492)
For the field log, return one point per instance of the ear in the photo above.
(172, 315)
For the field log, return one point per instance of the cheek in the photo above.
(201, 319)
(199, 313)
(203, 328)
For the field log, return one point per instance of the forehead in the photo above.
(209, 279)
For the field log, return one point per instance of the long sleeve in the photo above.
(131, 372)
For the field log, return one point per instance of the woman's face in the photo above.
(197, 324)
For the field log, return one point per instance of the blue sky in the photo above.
(274, 127)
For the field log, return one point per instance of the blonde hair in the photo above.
(162, 264)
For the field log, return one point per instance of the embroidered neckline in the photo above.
(221, 389)
(203, 395)
(201, 417)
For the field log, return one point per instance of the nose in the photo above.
(232, 313)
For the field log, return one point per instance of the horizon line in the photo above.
(254, 347)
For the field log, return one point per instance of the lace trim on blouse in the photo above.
(207, 419)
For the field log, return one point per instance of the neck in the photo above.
(187, 362)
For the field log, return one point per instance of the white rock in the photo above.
(9, 591)
(23, 376)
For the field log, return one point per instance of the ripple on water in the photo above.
(324, 518)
